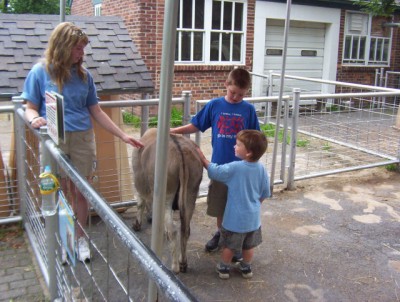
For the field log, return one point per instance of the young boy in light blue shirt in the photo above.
(248, 185)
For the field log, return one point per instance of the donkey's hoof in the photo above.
(183, 267)
(136, 226)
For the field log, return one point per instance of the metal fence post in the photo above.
(51, 246)
(186, 95)
(198, 133)
(293, 140)
(144, 118)
(270, 92)
(51, 221)
(19, 128)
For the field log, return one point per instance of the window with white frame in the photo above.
(362, 45)
(211, 32)
(97, 9)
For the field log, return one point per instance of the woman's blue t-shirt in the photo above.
(78, 96)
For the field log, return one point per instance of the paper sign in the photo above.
(66, 227)
(55, 116)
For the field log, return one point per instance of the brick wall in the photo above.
(83, 8)
(144, 20)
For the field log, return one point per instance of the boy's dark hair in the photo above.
(254, 141)
(239, 77)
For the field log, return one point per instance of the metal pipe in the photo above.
(361, 86)
(62, 11)
(20, 152)
(144, 120)
(13, 219)
(391, 24)
(186, 95)
(293, 140)
(164, 113)
(337, 171)
(282, 83)
(130, 103)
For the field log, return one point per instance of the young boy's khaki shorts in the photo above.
(216, 198)
(80, 147)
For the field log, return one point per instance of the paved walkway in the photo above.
(19, 279)
(335, 238)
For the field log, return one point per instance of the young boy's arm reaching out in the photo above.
(186, 129)
(204, 160)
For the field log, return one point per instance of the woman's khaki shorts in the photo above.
(80, 147)
(216, 198)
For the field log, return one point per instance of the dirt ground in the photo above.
(334, 238)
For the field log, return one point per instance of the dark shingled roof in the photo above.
(111, 56)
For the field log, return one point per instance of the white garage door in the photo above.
(305, 53)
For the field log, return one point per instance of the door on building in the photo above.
(305, 54)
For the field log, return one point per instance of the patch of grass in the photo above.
(175, 120)
(301, 143)
(131, 119)
(326, 147)
(393, 167)
(176, 117)
(333, 108)
(269, 131)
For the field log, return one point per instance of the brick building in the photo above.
(331, 40)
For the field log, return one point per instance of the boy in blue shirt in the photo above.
(248, 185)
(226, 116)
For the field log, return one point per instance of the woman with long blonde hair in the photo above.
(61, 71)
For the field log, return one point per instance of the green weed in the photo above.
(392, 167)
(269, 131)
(130, 119)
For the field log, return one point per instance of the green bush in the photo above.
(130, 119)
(175, 120)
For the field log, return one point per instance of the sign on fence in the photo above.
(66, 227)
(55, 116)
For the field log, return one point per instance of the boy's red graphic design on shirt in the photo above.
(229, 125)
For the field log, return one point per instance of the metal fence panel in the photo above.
(121, 265)
(9, 197)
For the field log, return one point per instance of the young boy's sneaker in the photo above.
(245, 269)
(213, 244)
(223, 270)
